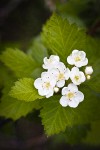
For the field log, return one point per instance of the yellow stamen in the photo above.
(77, 58)
(61, 76)
(70, 95)
(76, 78)
(47, 85)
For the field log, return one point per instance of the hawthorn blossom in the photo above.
(60, 73)
(45, 85)
(71, 96)
(77, 76)
(77, 58)
(51, 62)
(89, 70)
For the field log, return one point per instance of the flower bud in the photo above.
(88, 77)
(89, 70)
(56, 89)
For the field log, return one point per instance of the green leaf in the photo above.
(72, 135)
(93, 137)
(93, 54)
(56, 118)
(38, 51)
(14, 109)
(62, 37)
(22, 64)
(25, 90)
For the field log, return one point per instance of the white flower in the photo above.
(60, 73)
(71, 96)
(45, 85)
(77, 58)
(51, 62)
(89, 70)
(77, 76)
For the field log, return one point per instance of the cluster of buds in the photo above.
(57, 75)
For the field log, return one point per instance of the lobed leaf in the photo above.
(25, 90)
(62, 37)
(19, 62)
(56, 118)
(13, 108)
(38, 51)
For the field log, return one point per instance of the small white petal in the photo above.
(45, 76)
(75, 51)
(38, 83)
(82, 54)
(61, 67)
(67, 74)
(65, 90)
(82, 76)
(85, 62)
(76, 82)
(89, 70)
(44, 66)
(79, 96)
(72, 87)
(50, 93)
(75, 70)
(73, 103)
(54, 72)
(63, 101)
(70, 60)
(79, 64)
(60, 83)
(45, 60)
(41, 92)
(55, 57)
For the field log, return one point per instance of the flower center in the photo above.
(47, 85)
(76, 78)
(70, 95)
(77, 58)
(61, 76)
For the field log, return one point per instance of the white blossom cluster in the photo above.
(57, 75)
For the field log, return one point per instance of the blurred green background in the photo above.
(20, 22)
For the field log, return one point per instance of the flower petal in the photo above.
(38, 83)
(54, 58)
(72, 87)
(63, 101)
(54, 72)
(79, 96)
(67, 74)
(41, 92)
(45, 76)
(70, 60)
(60, 83)
(85, 62)
(50, 93)
(82, 54)
(65, 90)
(75, 51)
(73, 103)
(82, 76)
